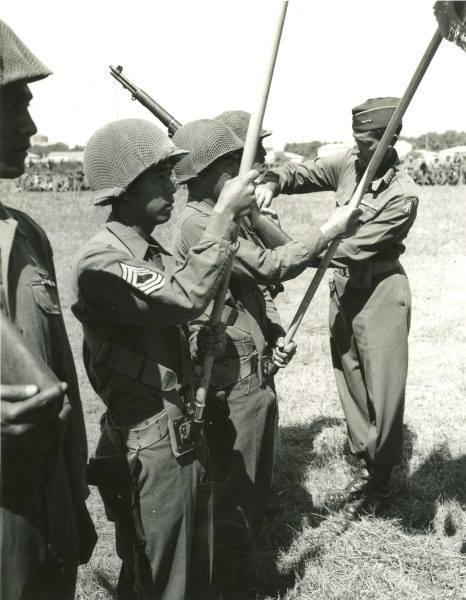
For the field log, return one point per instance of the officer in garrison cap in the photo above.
(242, 404)
(134, 303)
(370, 299)
(45, 527)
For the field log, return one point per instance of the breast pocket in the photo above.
(48, 314)
(45, 293)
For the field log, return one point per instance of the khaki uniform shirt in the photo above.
(253, 268)
(128, 291)
(389, 206)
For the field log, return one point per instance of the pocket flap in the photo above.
(46, 297)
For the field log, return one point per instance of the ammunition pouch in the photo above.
(185, 435)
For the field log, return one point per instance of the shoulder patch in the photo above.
(143, 279)
(408, 206)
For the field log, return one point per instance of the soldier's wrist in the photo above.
(226, 211)
(326, 232)
(272, 179)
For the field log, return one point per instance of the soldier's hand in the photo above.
(237, 196)
(272, 213)
(342, 223)
(265, 193)
(23, 407)
(282, 354)
(211, 339)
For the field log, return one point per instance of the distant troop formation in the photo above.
(188, 499)
(452, 171)
(47, 177)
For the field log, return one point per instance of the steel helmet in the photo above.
(206, 140)
(238, 121)
(17, 62)
(120, 151)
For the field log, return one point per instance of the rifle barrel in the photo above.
(147, 101)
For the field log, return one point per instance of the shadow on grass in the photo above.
(439, 479)
(417, 495)
(291, 501)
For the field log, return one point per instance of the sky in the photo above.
(199, 58)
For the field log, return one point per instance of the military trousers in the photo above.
(39, 545)
(167, 490)
(369, 344)
(241, 423)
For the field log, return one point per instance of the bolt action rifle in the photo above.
(143, 98)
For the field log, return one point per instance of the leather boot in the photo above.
(351, 492)
(375, 495)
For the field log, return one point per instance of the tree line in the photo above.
(431, 140)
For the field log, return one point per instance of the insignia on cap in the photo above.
(143, 279)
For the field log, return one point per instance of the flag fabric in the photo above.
(451, 17)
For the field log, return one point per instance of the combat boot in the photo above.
(374, 495)
(351, 492)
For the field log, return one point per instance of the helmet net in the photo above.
(206, 140)
(238, 121)
(119, 152)
(17, 62)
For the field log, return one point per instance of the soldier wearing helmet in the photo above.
(238, 122)
(134, 303)
(370, 299)
(242, 404)
(46, 530)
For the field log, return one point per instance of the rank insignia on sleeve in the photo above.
(407, 207)
(143, 279)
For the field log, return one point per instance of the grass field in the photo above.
(417, 549)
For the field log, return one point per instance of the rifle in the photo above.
(270, 234)
(143, 98)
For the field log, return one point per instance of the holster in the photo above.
(116, 477)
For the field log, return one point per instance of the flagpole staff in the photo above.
(368, 176)
(247, 161)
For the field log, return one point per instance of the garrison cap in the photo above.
(238, 121)
(121, 151)
(206, 140)
(17, 63)
(375, 113)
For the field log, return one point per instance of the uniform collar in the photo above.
(135, 243)
(7, 216)
(379, 184)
